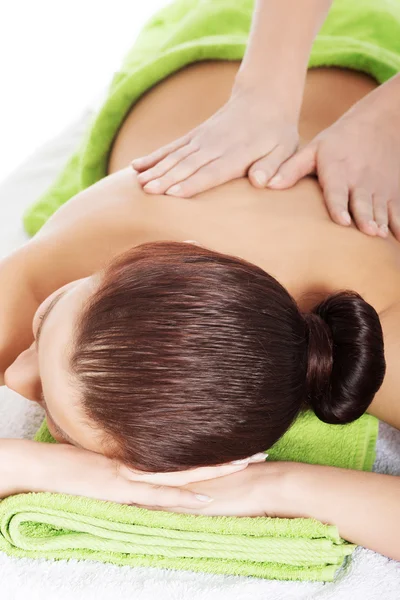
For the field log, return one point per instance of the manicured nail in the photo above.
(242, 461)
(203, 498)
(260, 177)
(383, 230)
(174, 190)
(276, 180)
(346, 217)
(373, 225)
(152, 186)
(259, 457)
(137, 161)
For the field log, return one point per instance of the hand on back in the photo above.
(356, 159)
(250, 135)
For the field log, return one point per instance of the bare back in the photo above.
(287, 233)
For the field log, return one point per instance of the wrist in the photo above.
(269, 93)
(300, 491)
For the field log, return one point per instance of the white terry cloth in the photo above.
(368, 576)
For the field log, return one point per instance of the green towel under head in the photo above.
(362, 35)
(59, 526)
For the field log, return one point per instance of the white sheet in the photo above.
(368, 575)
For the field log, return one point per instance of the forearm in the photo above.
(279, 46)
(14, 457)
(382, 103)
(364, 506)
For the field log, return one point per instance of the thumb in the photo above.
(299, 165)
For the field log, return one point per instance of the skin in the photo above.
(256, 129)
(255, 132)
(236, 218)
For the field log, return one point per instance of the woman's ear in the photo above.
(23, 376)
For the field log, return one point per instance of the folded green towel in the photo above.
(362, 35)
(59, 526)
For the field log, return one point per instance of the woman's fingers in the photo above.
(171, 181)
(145, 162)
(302, 163)
(333, 181)
(215, 173)
(381, 216)
(191, 475)
(394, 217)
(363, 211)
(263, 169)
(159, 496)
(150, 176)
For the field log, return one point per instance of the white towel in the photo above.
(368, 576)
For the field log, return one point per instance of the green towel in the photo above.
(362, 35)
(59, 526)
(358, 34)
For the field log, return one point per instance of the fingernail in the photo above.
(240, 462)
(372, 224)
(276, 180)
(152, 186)
(384, 230)
(346, 217)
(260, 177)
(137, 161)
(203, 498)
(259, 457)
(174, 190)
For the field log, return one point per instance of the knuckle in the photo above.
(362, 196)
(336, 195)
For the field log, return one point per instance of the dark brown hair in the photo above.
(186, 357)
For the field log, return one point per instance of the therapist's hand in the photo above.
(253, 133)
(357, 161)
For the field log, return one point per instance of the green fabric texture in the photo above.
(363, 35)
(59, 526)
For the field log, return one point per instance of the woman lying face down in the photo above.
(176, 357)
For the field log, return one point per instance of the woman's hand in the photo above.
(357, 161)
(65, 469)
(252, 133)
(263, 489)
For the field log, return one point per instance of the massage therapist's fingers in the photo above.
(394, 217)
(263, 169)
(145, 162)
(168, 183)
(333, 180)
(151, 176)
(215, 173)
(299, 165)
(363, 211)
(381, 215)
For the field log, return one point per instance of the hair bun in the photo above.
(346, 363)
